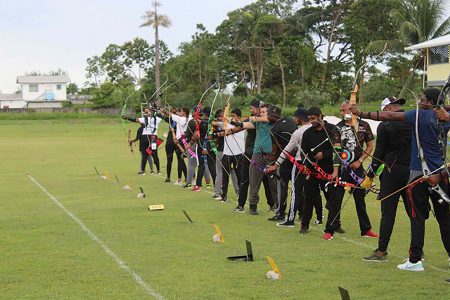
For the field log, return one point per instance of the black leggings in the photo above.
(145, 148)
(211, 163)
(172, 148)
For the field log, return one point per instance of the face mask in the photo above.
(347, 117)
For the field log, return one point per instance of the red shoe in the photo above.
(327, 236)
(196, 189)
(371, 234)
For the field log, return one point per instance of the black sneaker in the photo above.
(377, 256)
(239, 209)
(276, 218)
(223, 199)
(216, 197)
(187, 185)
(340, 230)
(253, 210)
(286, 224)
(318, 222)
(167, 180)
(141, 173)
(273, 208)
(304, 230)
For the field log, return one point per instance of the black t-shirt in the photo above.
(190, 129)
(315, 141)
(393, 145)
(281, 134)
(350, 142)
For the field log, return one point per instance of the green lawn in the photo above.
(46, 255)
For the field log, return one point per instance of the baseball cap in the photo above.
(392, 100)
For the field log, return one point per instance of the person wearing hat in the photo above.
(431, 159)
(281, 133)
(393, 148)
(298, 180)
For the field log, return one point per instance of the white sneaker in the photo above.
(178, 182)
(409, 266)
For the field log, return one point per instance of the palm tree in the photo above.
(152, 18)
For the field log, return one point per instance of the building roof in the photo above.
(11, 97)
(43, 79)
(440, 41)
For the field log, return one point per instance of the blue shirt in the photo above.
(263, 141)
(429, 139)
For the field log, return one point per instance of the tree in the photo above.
(72, 88)
(151, 18)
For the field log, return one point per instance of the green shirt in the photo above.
(263, 142)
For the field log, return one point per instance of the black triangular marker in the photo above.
(344, 293)
(248, 257)
(142, 191)
(96, 170)
(187, 216)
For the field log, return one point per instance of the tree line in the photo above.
(287, 52)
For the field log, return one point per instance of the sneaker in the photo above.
(371, 234)
(409, 266)
(141, 173)
(253, 210)
(286, 223)
(178, 182)
(327, 236)
(273, 208)
(318, 222)
(159, 173)
(151, 172)
(340, 230)
(207, 186)
(216, 197)
(187, 185)
(239, 209)
(223, 199)
(304, 230)
(276, 218)
(377, 256)
(196, 188)
(167, 180)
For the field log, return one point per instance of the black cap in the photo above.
(432, 94)
(256, 103)
(206, 110)
(274, 111)
(301, 113)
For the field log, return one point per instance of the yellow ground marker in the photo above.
(274, 267)
(218, 237)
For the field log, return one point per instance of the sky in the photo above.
(47, 35)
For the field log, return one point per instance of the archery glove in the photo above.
(367, 183)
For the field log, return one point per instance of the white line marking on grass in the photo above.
(137, 278)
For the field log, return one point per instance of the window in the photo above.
(58, 87)
(439, 55)
(33, 88)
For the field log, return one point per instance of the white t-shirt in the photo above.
(234, 144)
(181, 124)
(151, 127)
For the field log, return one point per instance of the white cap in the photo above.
(392, 100)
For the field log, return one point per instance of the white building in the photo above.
(43, 87)
(12, 101)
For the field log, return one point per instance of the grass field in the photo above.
(45, 254)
